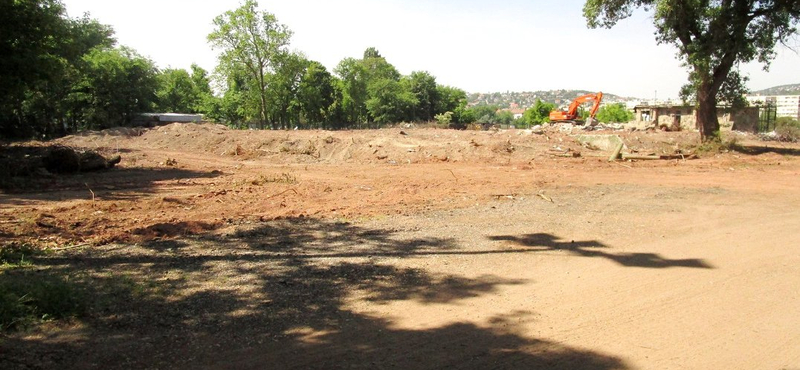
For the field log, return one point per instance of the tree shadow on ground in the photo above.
(756, 150)
(283, 294)
(592, 248)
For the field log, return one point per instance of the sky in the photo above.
(478, 46)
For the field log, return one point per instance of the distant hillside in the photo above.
(793, 89)
(526, 99)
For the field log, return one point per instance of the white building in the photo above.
(786, 105)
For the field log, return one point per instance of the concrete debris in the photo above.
(566, 127)
(600, 142)
(775, 136)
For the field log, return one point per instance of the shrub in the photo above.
(787, 129)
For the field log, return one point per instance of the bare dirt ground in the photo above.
(415, 248)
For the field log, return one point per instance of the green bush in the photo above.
(616, 113)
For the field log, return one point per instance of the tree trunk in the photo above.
(263, 111)
(707, 120)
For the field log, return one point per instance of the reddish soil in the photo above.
(415, 248)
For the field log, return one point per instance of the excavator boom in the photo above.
(572, 112)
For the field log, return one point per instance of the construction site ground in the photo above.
(413, 248)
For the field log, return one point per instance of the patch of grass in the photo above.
(18, 254)
(729, 144)
(29, 297)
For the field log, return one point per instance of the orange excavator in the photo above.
(572, 113)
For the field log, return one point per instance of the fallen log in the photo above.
(626, 156)
(615, 153)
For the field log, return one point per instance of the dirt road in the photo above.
(420, 249)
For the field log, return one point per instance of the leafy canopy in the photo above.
(713, 37)
(614, 113)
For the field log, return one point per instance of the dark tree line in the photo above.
(60, 75)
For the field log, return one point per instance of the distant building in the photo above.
(685, 117)
(786, 105)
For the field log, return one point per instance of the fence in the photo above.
(767, 117)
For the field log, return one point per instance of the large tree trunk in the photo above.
(707, 120)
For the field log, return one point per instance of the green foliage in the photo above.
(68, 75)
(616, 113)
(353, 85)
(504, 117)
(317, 96)
(539, 113)
(176, 92)
(450, 99)
(41, 55)
(423, 86)
(252, 45)
(390, 101)
(283, 107)
(444, 118)
(117, 84)
(484, 114)
(713, 38)
(462, 117)
(204, 98)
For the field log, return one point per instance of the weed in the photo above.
(284, 178)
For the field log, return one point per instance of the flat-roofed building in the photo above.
(785, 105)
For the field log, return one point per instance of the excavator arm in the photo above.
(572, 111)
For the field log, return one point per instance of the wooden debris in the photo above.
(626, 156)
(615, 154)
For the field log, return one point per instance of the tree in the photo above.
(40, 52)
(284, 108)
(539, 113)
(712, 37)
(504, 117)
(202, 86)
(483, 114)
(317, 94)
(616, 112)
(117, 84)
(450, 99)
(233, 106)
(253, 42)
(390, 101)
(423, 86)
(353, 84)
(176, 92)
